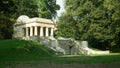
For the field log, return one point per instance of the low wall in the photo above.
(65, 45)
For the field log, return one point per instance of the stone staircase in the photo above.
(62, 45)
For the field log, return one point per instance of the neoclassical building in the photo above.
(26, 27)
(42, 30)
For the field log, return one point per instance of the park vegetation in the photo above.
(10, 10)
(30, 54)
(97, 21)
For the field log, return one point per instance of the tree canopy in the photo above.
(47, 8)
(10, 10)
(97, 21)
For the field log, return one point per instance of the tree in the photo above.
(94, 20)
(26, 7)
(64, 28)
(10, 10)
(47, 8)
(37, 8)
(6, 20)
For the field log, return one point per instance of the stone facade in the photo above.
(26, 27)
(78, 47)
(42, 30)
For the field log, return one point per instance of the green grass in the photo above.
(108, 58)
(20, 49)
(14, 52)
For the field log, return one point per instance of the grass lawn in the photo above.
(28, 54)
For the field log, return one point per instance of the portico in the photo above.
(38, 31)
(27, 27)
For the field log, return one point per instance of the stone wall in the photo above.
(78, 47)
(18, 32)
(62, 45)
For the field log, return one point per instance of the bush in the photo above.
(115, 49)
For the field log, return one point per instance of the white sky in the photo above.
(62, 9)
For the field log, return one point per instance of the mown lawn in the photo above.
(28, 54)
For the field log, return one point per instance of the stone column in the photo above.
(35, 30)
(31, 31)
(41, 31)
(52, 33)
(26, 31)
(46, 33)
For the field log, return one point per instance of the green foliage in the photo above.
(47, 8)
(5, 27)
(26, 7)
(10, 10)
(94, 20)
(64, 28)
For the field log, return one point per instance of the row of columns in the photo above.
(29, 31)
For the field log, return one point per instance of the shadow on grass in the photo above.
(86, 59)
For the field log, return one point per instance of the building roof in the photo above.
(42, 20)
(23, 19)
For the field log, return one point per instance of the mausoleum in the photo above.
(26, 27)
(42, 30)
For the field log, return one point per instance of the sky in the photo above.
(62, 9)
